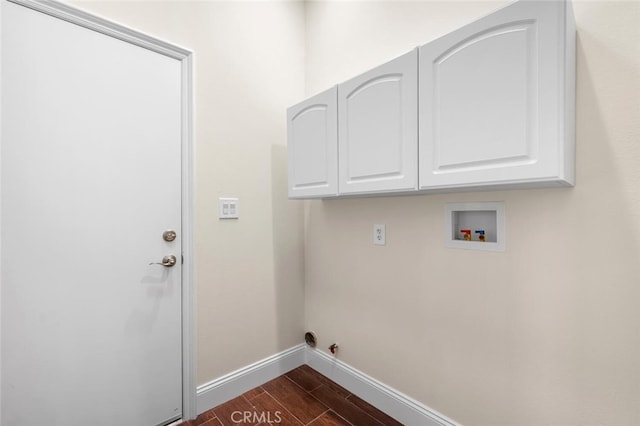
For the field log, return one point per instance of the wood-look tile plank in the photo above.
(212, 422)
(202, 418)
(306, 377)
(336, 388)
(228, 415)
(330, 419)
(253, 393)
(373, 411)
(272, 412)
(343, 407)
(300, 403)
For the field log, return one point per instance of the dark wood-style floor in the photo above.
(300, 397)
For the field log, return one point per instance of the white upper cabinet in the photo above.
(490, 105)
(313, 146)
(377, 129)
(497, 100)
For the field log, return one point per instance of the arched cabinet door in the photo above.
(377, 129)
(313, 146)
(496, 100)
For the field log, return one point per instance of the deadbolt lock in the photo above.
(169, 235)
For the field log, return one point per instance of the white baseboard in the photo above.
(240, 381)
(399, 406)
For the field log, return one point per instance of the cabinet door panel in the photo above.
(312, 146)
(378, 128)
(491, 104)
(464, 110)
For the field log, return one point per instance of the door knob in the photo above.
(168, 261)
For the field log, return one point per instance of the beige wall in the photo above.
(547, 332)
(249, 63)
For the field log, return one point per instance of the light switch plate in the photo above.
(228, 208)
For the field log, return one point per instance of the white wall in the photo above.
(547, 332)
(249, 67)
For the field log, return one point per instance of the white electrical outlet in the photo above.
(379, 235)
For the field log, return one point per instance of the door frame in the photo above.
(185, 56)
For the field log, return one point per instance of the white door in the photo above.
(312, 139)
(378, 128)
(91, 177)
